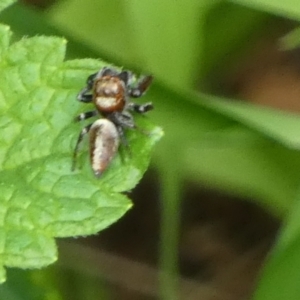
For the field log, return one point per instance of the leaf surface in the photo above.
(41, 198)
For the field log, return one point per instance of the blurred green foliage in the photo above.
(230, 145)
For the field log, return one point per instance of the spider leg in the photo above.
(85, 94)
(107, 71)
(141, 86)
(124, 119)
(140, 108)
(82, 133)
(126, 77)
(86, 115)
(122, 136)
(90, 80)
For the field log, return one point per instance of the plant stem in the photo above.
(170, 220)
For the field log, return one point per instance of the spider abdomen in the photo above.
(104, 143)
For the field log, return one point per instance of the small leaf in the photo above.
(40, 197)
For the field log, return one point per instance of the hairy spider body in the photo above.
(109, 94)
(104, 143)
(110, 91)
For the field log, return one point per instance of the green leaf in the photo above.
(281, 276)
(145, 45)
(40, 197)
(6, 3)
(289, 8)
(280, 126)
(32, 285)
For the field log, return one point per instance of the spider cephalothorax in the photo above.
(110, 91)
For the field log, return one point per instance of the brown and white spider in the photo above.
(110, 91)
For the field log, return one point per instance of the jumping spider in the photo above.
(110, 91)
